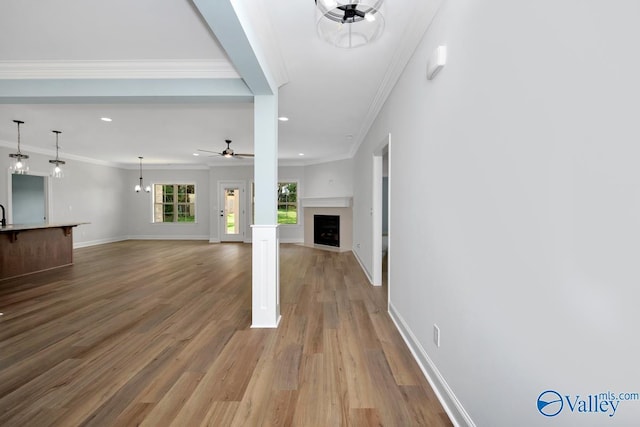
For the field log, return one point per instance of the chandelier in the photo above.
(138, 188)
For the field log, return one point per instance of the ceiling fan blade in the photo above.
(208, 151)
(244, 155)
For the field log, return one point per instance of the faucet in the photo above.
(4, 219)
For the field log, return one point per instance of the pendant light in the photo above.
(57, 171)
(138, 188)
(19, 163)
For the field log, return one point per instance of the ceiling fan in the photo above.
(228, 152)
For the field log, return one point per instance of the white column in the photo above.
(266, 254)
(265, 309)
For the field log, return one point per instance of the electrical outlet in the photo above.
(436, 335)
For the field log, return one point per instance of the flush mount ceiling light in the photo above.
(57, 171)
(138, 188)
(349, 23)
(19, 163)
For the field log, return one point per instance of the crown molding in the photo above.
(413, 34)
(28, 149)
(144, 69)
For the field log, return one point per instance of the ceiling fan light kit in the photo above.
(349, 23)
(228, 152)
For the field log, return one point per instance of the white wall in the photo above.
(104, 197)
(140, 217)
(288, 233)
(330, 179)
(87, 193)
(515, 193)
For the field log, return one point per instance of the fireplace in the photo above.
(326, 230)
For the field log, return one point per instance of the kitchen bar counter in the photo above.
(28, 248)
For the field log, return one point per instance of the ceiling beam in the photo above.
(226, 25)
(23, 91)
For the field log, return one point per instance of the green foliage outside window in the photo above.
(174, 203)
(287, 203)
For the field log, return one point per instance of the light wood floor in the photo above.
(157, 334)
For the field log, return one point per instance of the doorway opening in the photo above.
(28, 199)
(381, 214)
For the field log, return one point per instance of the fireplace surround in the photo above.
(340, 207)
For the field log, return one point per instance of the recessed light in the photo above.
(349, 136)
(283, 119)
(300, 154)
(105, 119)
(196, 154)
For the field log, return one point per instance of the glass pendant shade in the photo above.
(57, 170)
(19, 163)
(349, 23)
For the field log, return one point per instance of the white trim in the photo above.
(265, 277)
(99, 242)
(119, 69)
(242, 201)
(168, 237)
(452, 406)
(366, 272)
(78, 245)
(413, 33)
(292, 240)
(48, 188)
(376, 216)
(299, 190)
(326, 202)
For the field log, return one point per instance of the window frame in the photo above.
(176, 203)
(297, 202)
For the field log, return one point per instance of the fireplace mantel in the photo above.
(326, 202)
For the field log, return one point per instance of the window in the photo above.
(287, 203)
(174, 203)
(287, 194)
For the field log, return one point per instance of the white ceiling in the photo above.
(331, 95)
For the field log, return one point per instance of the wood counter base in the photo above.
(30, 250)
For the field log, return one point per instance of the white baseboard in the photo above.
(88, 243)
(167, 237)
(459, 417)
(363, 267)
(77, 245)
(291, 240)
(288, 240)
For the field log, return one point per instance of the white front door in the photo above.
(231, 211)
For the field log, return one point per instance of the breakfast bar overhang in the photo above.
(29, 248)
